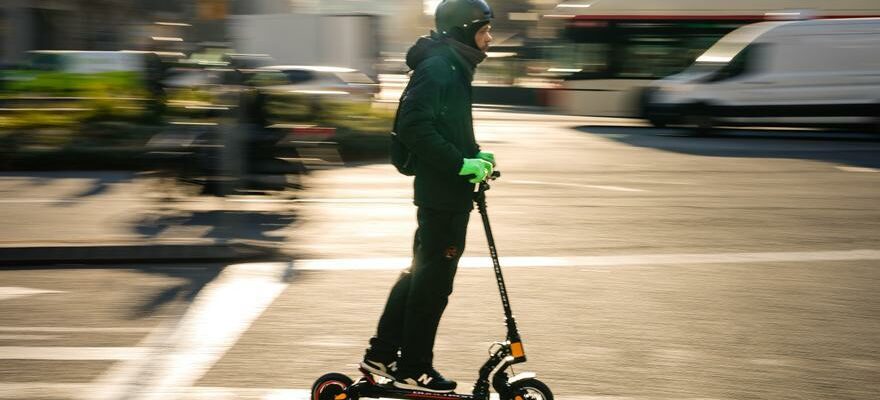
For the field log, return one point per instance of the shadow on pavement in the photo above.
(99, 182)
(196, 278)
(848, 148)
(100, 186)
(220, 224)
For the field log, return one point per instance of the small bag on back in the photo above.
(401, 156)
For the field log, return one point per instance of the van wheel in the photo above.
(657, 123)
(644, 107)
(876, 124)
(700, 120)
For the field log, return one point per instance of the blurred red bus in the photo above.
(611, 50)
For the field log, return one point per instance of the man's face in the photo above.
(483, 38)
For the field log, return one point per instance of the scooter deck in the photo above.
(370, 388)
(389, 391)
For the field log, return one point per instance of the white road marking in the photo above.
(30, 390)
(358, 200)
(198, 393)
(577, 185)
(220, 314)
(857, 169)
(28, 337)
(331, 342)
(121, 378)
(62, 329)
(396, 200)
(772, 362)
(63, 200)
(595, 261)
(69, 353)
(260, 200)
(11, 292)
(33, 390)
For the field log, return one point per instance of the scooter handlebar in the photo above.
(484, 185)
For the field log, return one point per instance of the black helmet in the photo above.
(459, 18)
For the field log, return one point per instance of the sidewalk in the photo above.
(116, 217)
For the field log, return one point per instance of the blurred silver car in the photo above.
(315, 80)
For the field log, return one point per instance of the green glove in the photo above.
(488, 156)
(481, 169)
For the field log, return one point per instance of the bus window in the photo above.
(584, 58)
(654, 57)
(637, 49)
(646, 57)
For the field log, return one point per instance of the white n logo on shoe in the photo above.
(425, 379)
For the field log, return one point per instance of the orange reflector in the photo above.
(516, 350)
(341, 396)
(518, 397)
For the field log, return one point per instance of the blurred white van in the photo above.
(791, 73)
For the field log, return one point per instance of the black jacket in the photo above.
(436, 124)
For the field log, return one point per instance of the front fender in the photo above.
(522, 375)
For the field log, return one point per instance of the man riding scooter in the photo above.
(435, 124)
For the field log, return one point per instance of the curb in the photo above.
(139, 253)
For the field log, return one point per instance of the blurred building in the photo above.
(253, 7)
(180, 25)
(162, 25)
(400, 21)
(60, 25)
(84, 24)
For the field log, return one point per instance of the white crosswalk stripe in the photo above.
(221, 313)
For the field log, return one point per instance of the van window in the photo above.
(828, 52)
(746, 62)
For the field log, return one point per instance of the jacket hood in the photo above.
(423, 49)
(467, 56)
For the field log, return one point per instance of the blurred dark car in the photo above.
(241, 67)
(247, 61)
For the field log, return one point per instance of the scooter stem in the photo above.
(480, 199)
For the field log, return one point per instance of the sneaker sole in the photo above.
(401, 385)
(376, 371)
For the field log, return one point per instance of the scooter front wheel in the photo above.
(529, 389)
(331, 387)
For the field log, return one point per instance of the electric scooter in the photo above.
(502, 355)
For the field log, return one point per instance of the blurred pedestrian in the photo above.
(435, 124)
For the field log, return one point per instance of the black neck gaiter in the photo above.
(470, 57)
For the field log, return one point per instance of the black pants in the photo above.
(417, 300)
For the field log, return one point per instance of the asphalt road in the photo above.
(642, 264)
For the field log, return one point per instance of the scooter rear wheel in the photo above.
(331, 387)
(529, 389)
